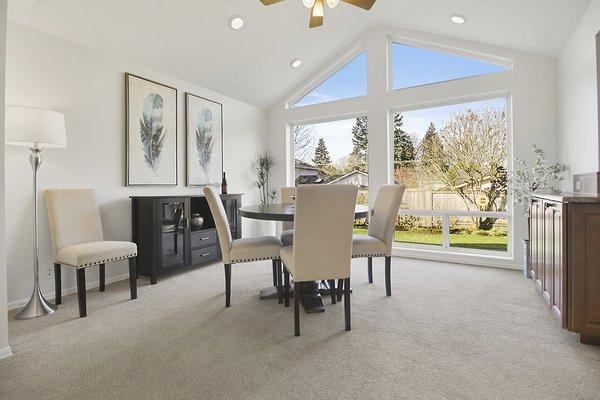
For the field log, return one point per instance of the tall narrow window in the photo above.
(349, 81)
(412, 66)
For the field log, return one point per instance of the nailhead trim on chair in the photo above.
(109, 260)
(369, 255)
(254, 259)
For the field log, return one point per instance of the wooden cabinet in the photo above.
(565, 252)
(167, 239)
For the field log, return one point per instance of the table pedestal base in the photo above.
(311, 297)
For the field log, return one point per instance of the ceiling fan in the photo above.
(318, 9)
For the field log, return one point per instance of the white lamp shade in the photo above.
(34, 127)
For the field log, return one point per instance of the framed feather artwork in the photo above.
(151, 113)
(204, 127)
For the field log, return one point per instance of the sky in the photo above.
(423, 67)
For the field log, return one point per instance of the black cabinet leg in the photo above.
(132, 277)
(176, 241)
(296, 308)
(370, 268)
(101, 277)
(286, 280)
(227, 285)
(57, 285)
(388, 276)
(81, 292)
(332, 290)
(347, 303)
(340, 289)
(274, 262)
(153, 280)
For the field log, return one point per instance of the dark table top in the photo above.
(285, 212)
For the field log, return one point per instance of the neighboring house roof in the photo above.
(355, 172)
(304, 165)
(308, 180)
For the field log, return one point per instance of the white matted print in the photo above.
(204, 127)
(151, 132)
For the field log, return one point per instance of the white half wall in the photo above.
(578, 97)
(89, 88)
(4, 347)
(530, 85)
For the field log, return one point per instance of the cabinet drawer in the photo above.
(205, 254)
(203, 238)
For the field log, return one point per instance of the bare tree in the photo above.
(304, 142)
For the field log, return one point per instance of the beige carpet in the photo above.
(448, 332)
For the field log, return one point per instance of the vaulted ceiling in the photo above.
(191, 39)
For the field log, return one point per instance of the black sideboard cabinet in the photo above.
(167, 239)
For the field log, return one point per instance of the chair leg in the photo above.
(279, 283)
(101, 278)
(296, 308)
(274, 273)
(176, 242)
(286, 280)
(370, 268)
(340, 289)
(388, 276)
(57, 285)
(227, 285)
(332, 290)
(132, 277)
(81, 292)
(347, 303)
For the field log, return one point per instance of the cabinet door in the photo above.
(536, 244)
(557, 260)
(173, 233)
(548, 265)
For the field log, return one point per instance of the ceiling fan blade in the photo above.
(316, 14)
(366, 4)
(269, 2)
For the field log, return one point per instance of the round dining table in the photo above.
(310, 297)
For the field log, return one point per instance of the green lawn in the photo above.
(497, 243)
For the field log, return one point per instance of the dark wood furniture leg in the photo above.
(57, 285)
(101, 278)
(279, 283)
(340, 289)
(153, 280)
(370, 268)
(275, 273)
(296, 308)
(132, 277)
(81, 292)
(347, 303)
(286, 280)
(388, 277)
(227, 285)
(332, 290)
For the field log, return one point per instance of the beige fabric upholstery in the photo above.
(254, 249)
(287, 197)
(239, 250)
(382, 223)
(323, 226)
(287, 237)
(368, 246)
(84, 255)
(76, 230)
(220, 217)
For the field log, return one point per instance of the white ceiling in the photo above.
(190, 39)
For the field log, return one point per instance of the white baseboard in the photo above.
(457, 258)
(66, 291)
(5, 352)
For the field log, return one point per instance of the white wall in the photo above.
(531, 85)
(47, 72)
(578, 97)
(4, 348)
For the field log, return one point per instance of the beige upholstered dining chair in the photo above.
(287, 197)
(240, 250)
(322, 249)
(380, 237)
(78, 241)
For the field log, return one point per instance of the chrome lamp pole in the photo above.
(36, 129)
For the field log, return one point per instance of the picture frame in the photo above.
(204, 141)
(151, 132)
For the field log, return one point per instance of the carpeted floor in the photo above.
(448, 332)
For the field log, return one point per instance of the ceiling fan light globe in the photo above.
(333, 3)
(308, 3)
(318, 9)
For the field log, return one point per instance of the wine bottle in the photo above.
(224, 185)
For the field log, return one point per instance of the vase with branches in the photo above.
(263, 164)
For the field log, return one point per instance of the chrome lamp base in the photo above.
(37, 306)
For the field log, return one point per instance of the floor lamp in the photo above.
(36, 129)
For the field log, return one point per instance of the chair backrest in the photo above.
(220, 217)
(385, 213)
(74, 217)
(323, 225)
(287, 197)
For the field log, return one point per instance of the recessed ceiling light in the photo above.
(458, 19)
(236, 23)
(296, 63)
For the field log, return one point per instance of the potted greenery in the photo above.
(528, 179)
(263, 164)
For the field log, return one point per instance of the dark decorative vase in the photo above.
(224, 185)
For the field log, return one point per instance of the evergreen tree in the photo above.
(360, 141)
(321, 158)
(404, 148)
(431, 147)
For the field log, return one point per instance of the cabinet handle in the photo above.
(205, 254)
(548, 205)
(205, 238)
